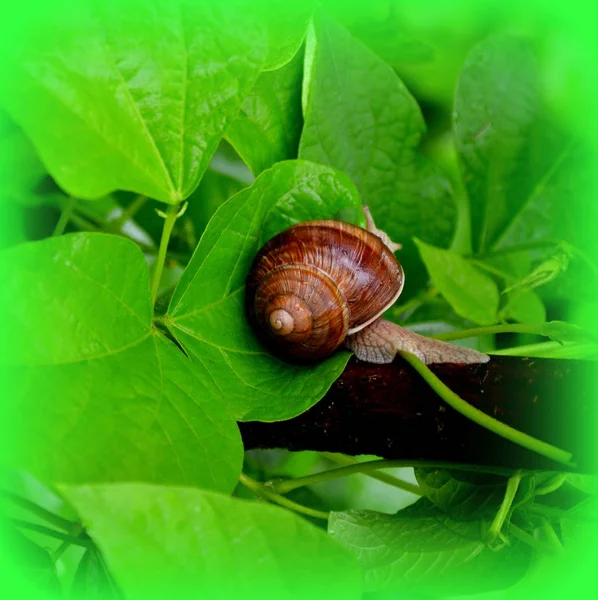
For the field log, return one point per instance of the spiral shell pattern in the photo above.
(317, 282)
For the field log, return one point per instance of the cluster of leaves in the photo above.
(127, 388)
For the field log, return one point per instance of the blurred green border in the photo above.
(570, 50)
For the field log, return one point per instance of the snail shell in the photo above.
(317, 282)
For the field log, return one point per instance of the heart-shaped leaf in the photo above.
(207, 545)
(99, 395)
(207, 315)
(132, 96)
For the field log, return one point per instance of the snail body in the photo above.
(318, 282)
(321, 284)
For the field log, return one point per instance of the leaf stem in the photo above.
(552, 350)
(76, 540)
(344, 460)
(364, 468)
(553, 484)
(128, 213)
(40, 512)
(83, 224)
(414, 303)
(523, 247)
(492, 269)
(260, 490)
(491, 329)
(65, 216)
(351, 467)
(171, 216)
(481, 418)
(60, 550)
(504, 509)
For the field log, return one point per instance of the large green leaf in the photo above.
(80, 309)
(202, 544)
(522, 174)
(472, 294)
(268, 127)
(360, 118)
(99, 394)
(422, 549)
(132, 96)
(207, 314)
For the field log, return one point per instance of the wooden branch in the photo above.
(389, 411)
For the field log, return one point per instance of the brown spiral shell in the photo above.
(317, 282)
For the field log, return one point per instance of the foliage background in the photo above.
(565, 31)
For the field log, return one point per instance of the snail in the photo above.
(322, 284)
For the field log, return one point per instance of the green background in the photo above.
(566, 33)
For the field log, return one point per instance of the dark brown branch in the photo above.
(389, 411)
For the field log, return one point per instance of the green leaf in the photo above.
(522, 175)
(268, 127)
(423, 550)
(55, 325)
(360, 118)
(560, 331)
(472, 294)
(463, 495)
(99, 394)
(202, 544)
(525, 307)
(466, 495)
(144, 106)
(207, 314)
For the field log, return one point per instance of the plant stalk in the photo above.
(343, 460)
(71, 539)
(490, 330)
(40, 512)
(128, 213)
(504, 509)
(484, 420)
(171, 216)
(364, 468)
(65, 216)
(260, 490)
